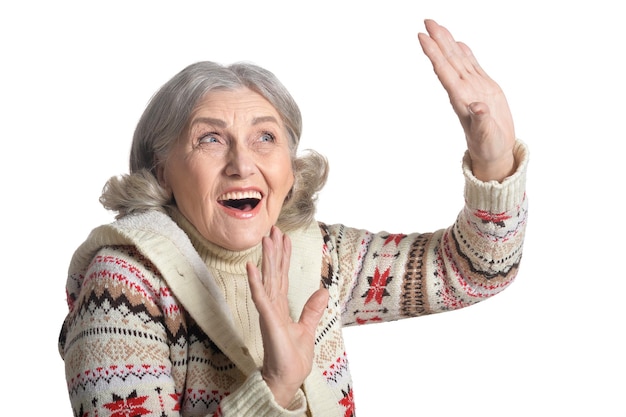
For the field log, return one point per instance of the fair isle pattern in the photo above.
(131, 349)
(203, 399)
(114, 310)
(391, 276)
(129, 319)
(125, 323)
(338, 376)
(115, 376)
(413, 301)
(329, 340)
(337, 371)
(355, 244)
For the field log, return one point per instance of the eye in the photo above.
(267, 137)
(208, 138)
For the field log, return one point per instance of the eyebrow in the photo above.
(222, 124)
(263, 119)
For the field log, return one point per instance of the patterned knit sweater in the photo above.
(161, 322)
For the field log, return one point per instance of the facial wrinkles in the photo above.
(188, 167)
(241, 113)
(199, 169)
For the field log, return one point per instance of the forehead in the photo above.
(241, 104)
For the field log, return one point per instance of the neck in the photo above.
(214, 256)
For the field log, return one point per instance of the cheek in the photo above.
(185, 179)
(279, 172)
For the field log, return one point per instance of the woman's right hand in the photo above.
(477, 100)
(288, 345)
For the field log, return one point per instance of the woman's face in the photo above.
(231, 170)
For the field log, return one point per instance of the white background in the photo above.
(75, 77)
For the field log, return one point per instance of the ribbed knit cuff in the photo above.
(494, 196)
(254, 398)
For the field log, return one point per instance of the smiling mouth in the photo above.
(241, 200)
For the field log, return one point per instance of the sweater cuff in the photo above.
(494, 196)
(254, 398)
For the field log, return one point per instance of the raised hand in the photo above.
(288, 345)
(477, 100)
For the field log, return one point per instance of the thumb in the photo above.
(314, 308)
(478, 110)
(481, 125)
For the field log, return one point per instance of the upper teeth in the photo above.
(239, 195)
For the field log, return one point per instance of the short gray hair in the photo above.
(166, 117)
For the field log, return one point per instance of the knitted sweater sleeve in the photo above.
(117, 338)
(385, 277)
(129, 349)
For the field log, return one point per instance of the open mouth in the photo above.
(242, 200)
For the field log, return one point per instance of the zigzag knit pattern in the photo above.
(131, 349)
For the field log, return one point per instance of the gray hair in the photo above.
(165, 119)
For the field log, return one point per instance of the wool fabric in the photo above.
(161, 322)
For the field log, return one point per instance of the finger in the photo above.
(286, 260)
(447, 74)
(276, 259)
(281, 258)
(257, 289)
(314, 309)
(472, 59)
(451, 52)
(268, 265)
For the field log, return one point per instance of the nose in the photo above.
(240, 162)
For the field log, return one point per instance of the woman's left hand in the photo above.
(477, 100)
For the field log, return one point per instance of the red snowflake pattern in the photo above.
(348, 402)
(131, 406)
(378, 284)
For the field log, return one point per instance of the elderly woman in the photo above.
(217, 293)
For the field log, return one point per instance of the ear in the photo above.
(160, 174)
